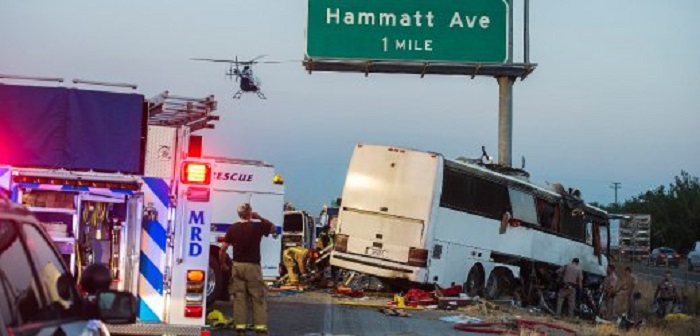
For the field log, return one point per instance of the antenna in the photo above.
(485, 155)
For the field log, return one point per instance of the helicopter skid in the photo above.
(238, 94)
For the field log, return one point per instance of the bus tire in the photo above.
(500, 284)
(492, 286)
(475, 281)
(216, 287)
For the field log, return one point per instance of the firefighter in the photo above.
(246, 276)
(295, 259)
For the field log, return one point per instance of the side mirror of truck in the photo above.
(116, 307)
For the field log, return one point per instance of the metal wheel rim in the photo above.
(211, 282)
(473, 282)
(492, 287)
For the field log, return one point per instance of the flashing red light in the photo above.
(196, 173)
(195, 194)
(193, 311)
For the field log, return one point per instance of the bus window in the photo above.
(523, 205)
(597, 243)
(572, 226)
(589, 232)
(546, 214)
(556, 219)
(467, 193)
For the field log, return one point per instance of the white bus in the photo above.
(416, 216)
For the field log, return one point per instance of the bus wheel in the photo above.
(215, 281)
(475, 281)
(492, 286)
(501, 283)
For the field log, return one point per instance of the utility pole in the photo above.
(616, 185)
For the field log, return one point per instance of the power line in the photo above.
(616, 186)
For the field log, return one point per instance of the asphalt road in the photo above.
(315, 313)
(680, 274)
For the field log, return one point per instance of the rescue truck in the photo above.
(152, 228)
(234, 182)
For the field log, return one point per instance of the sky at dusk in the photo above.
(613, 98)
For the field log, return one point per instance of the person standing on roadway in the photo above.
(665, 295)
(609, 292)
(246, 276)
(629, 285)
(572, 280)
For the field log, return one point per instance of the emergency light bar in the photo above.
(196, 173)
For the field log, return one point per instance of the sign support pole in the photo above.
(526, 32)
(505, 103)
(505, 120)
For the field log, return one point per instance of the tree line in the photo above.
(674, 210)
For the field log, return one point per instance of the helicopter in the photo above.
(249, 83)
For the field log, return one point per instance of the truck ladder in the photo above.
(176, 111)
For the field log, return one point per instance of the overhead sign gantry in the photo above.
(441, 37)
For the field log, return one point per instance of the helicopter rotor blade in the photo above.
(278, 62)
(213, 60)
(257, 58)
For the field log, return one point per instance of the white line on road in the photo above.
(328, 316)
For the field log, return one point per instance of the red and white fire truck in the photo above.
(156, 228)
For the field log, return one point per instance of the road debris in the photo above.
(376, 305)
(464, 319)
(516, 327)
(394, 312)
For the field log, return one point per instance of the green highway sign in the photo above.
(408, 30)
